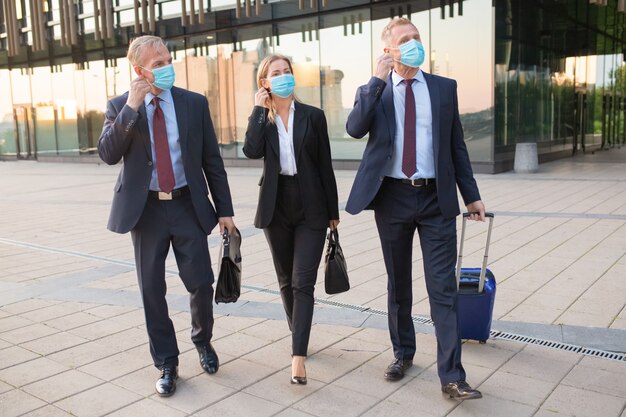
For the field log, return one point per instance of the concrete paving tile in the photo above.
(278, 388)
(546, 366)
(28, 333)
(234, 323)
(54, 311)
(241, 405)
(388, 408)
(71, 321)
(270, 330)
(492, 406)
(47, 411)
(62, 385)
(147, 408)
(100, 329)
(577, 318)
(602, 364)
(238, 344)
(423, 394)
(549, 413)
(134, 317)
(126, 339)
(335, 400)
(82, 354)
(98, 401)
(241, 373)
(598, 380)
(517, 388)
(31, 371)
(327, 368)
(142, 381)
(17, 402)
(53, 343)
(117, 365)
(108, 311)
(276, 355)
(489, 355)
(290, 412)
(368, 379)
(13, 322)
(5, 387)
(13, 355)
(28, 305)
(579, 402)
(195, 394)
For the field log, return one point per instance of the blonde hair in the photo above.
(264, 68)
(396, 21)
(140, 44)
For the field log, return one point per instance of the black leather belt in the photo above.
(178, 193)
(417, 182)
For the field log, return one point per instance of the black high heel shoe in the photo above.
(299, 380)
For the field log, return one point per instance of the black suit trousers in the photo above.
(296, 250)
(164, 223)
(400, 209)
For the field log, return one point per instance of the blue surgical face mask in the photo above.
(412, 53)
(164, 77)
(283, 85)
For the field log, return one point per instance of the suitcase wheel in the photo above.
(482, 342)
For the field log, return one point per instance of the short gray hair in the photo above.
(138, 45)
(396, 21)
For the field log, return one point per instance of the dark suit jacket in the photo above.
(374, 113)
(126, 136)
(316, 178)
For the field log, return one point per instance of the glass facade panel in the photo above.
(342, 34)
(7, 125)
(551, 73)
(470, 64)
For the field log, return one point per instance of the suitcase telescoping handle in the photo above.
(481, 282)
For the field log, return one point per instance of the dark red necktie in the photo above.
(408, 151)
(165, 172)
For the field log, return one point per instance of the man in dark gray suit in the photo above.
(165, 137)
(413, 162)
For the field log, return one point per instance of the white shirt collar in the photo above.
(397, 78)
(165, 95)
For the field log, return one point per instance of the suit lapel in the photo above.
(180, 106)
(300, 122)
(433, 91)
(389, 110)
(144, 131)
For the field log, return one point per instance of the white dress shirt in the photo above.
(424, 158)
(171, 126)
(285, 141)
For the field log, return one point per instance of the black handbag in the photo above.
(228, 286)
(335, 271)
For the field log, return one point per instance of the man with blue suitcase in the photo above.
(413, 162)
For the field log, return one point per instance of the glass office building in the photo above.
(544, 71)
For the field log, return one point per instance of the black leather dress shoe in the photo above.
(461, 390)
(395, 371)
(208, 358)
(166, 385)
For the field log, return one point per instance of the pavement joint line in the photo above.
(419, 319)
(599, 216)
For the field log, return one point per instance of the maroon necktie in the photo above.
(408, 152)
(165, 172)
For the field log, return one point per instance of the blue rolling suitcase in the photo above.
(476, 292)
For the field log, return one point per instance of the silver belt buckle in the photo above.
(165, 196)
(415, 184)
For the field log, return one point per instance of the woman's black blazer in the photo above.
(316, 178)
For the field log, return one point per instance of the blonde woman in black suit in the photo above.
(298, 196)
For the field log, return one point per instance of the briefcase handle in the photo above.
(483, 269)
(226, 243)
